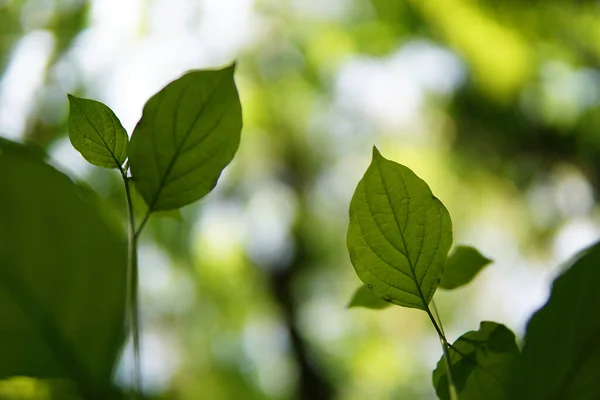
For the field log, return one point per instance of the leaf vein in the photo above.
(163, 181)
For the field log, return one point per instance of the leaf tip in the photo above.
(231, 67)
(74, 100)
(376, 152)
(377, 157)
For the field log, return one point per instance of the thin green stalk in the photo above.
(143, 223)
(445, 345)
(451, 385)
(437, 316)
(132, 287)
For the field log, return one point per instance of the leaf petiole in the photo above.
(445, 346)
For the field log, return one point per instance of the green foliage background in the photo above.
(494, 105)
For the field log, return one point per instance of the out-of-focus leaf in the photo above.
(399, 234)
(68, 22)
(561, 355)
(96, 132)
(188, 133)
(62, 279)
(31, 151)
(481, 363)
(364, 297)
(462, 265)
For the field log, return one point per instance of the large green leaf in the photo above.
(188, 133)
(62, 278)
(364, 297)
(8, 147)
(96, 132)
(481, 363)
(462, 265)
(399, 234)
(561, 355)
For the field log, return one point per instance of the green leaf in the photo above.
(364, 297)
(462, 265)
(8, 147)
(561, 355)
(96, 132)
(188, 133)
(481, 363)
(399, 234)
(62, 278)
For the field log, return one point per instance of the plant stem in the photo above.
(445, 345)
(451, 385)
(437, 316)
(142, 224)
(132, 288)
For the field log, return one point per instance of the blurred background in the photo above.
(495, 104)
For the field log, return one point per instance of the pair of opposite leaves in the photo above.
(188, 133)
(398, 239)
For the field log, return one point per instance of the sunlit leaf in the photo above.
(561, 355)
(462, 265)
(62, 279)
(481, 363)
(399, 234)
(364, 297)
(96, 132)
(188, 133)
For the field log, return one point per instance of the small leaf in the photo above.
(561, 355)
(364, 297)
(462, 265)
(399, 234)
(62, 278)
(481, 363)
(188, 133)
(96, 132)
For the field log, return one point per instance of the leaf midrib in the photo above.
(407, 255)
(390, 265)
(171, 165)
(112, 154)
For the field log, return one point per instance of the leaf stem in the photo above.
(451, 385)
(132, 287)
(143, 223)
(445, 345)
(437, 316)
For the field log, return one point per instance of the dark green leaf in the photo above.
(399, 234)
(364, 297)
(561, 355)
(462, 266)
(62, 278)
(96, 132)
(189, 132)
(31, 151)
(481, 363)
